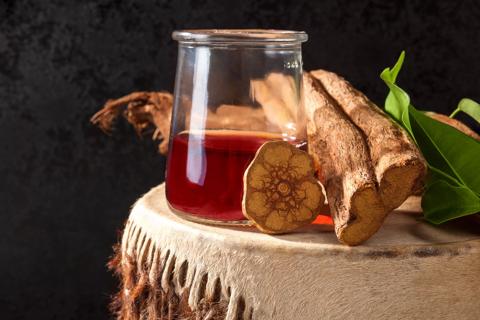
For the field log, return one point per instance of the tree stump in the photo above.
(171, 268)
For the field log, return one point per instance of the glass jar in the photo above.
(234, 91)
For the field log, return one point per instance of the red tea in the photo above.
(205, 171)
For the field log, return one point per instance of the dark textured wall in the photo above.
(65, 188)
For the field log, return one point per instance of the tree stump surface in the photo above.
(171, 268)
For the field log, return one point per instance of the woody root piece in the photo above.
(338, 148)
(398, 164)
(153, 110)
(368, 163)
(280, 100)
(143, 110)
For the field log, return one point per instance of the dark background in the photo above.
(65, 188)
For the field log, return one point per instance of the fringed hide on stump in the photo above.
(175, 269)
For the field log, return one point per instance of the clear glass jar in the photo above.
(234, 90)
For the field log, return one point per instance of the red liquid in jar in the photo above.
(205, 171)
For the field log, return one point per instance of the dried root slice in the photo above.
(281, 193)
(144, 110)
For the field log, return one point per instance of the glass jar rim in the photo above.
(240, 35)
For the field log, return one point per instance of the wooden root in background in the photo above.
(143, 110)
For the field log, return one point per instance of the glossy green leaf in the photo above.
(397, 67)
(453, 185)
(447, 149)
(468, 106)
(434, 175)
(397, 101)
(443, 201)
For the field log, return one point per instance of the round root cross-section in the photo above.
(281, 193)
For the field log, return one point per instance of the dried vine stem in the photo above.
(143, 110)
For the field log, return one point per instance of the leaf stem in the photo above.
(454, 113)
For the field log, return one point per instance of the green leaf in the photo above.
(453, 185)
(397, 67)
(396, 105)
(447, 149)
(443, 201)
(434, 175)
(468, 106)
(397, 101)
